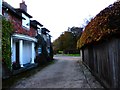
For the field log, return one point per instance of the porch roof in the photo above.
(24, 37)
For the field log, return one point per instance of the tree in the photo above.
(86, 21)
(67, 40)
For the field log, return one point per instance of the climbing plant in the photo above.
(7, 29)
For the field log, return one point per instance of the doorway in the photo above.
(17, 52)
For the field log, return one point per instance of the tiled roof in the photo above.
(20, 11)
(45, 29)
(36, 22)
(5, 5)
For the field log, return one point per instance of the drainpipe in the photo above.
(11, 51)
(81, 54)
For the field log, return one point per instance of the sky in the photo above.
(58, 15)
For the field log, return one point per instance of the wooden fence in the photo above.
(104, 61)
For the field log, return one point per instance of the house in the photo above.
(23, 38)
(25, 31)
(44, 51)
(44, 33)
(26, 45)
(100, 45)
(47, 38)
(39, 26)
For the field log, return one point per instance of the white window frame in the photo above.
(26, 22)
(6, 14)
(39, 30)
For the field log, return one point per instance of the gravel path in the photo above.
(66, 72)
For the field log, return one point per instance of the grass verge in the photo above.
(72, 54)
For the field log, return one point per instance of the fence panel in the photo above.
(104, 60)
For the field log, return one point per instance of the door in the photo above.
(17, 52)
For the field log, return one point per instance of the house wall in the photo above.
(27, 50)
(44, 36)
(20, 30)
(17, 24)
(104, 61)
(13, 51)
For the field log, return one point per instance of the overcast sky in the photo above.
(58, 15)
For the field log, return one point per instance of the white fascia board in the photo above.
(24, 37)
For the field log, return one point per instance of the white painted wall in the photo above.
(27, 54)
(45, 38)
(26, 49)
(21, 52)
(13, 52)
(33, 52)
(26, 22)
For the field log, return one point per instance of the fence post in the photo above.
(81, 54)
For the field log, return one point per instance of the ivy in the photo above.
(106, 23)
(6, 42)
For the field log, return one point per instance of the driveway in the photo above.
(66, 72)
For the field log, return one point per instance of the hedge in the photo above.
(106, 23)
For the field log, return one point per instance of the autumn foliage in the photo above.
(105, 24)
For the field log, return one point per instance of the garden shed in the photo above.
(100, 45)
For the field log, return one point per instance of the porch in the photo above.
(23, 52)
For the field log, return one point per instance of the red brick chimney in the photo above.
(23, 6)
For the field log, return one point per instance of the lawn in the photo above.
(71, 54)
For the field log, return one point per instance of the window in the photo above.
(26, 21)
(6, 14)
(47, 36)
(39, 30)
(39, 50)
(48, 49)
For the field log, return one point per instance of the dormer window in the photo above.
(39, 29)
(6, 14)
(26, 22)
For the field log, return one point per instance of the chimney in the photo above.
(23, 6)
